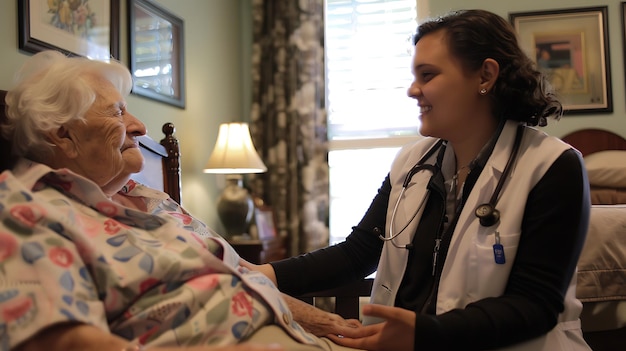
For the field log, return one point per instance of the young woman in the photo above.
(476, 231)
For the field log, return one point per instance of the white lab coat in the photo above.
(470, 273)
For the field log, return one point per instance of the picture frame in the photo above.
(156, 52)
(571, 46)
(264, 221)
(74, 28)
(623, 7)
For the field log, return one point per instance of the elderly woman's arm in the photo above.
(75, 337)
(312, 319)
(317, 321)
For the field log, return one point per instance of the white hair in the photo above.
(50, 91)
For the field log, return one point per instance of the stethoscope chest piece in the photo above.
(487, 215)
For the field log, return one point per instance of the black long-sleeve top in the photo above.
(553, 231)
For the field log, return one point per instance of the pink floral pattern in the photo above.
(27, 215)
(153, 277)
(242, 304)
(108, 208)
(61, 257)
(204, 283)
(8, 246)
(112, 226)
(186, 219)
(17, 308)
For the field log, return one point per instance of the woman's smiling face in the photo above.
(104, 145)
(445, 91)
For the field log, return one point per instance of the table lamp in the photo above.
(234, 155)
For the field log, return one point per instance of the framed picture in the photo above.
(87, 28)
(264, 220)
(571, 47)
(624, 32)
(156, 52)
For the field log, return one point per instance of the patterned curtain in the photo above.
(288, 118)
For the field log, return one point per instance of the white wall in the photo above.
(615, 121)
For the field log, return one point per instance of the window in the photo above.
(368, 71)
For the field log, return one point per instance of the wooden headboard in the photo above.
(588, 141)
(162, 163)
(162, 159)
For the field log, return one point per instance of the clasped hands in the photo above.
(396, 332)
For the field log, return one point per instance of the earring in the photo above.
(483, 91)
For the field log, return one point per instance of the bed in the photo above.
(601, 274)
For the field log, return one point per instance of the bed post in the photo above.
(171, 164)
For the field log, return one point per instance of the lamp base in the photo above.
(235, 207)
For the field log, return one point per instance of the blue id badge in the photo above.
(498, 250)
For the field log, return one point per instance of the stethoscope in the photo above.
(487, 213)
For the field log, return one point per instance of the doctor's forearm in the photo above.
(350, 260)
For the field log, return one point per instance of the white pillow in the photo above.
(607, 168)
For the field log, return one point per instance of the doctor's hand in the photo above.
(396, 333)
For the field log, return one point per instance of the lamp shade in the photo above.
(234, 152)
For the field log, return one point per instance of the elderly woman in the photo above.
(90, 260)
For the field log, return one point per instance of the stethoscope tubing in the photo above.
(420, 166)
(393, 217)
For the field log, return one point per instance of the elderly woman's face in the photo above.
(105, 147)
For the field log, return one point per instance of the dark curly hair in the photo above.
(521, 92)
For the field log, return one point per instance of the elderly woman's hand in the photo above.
(316, 321)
